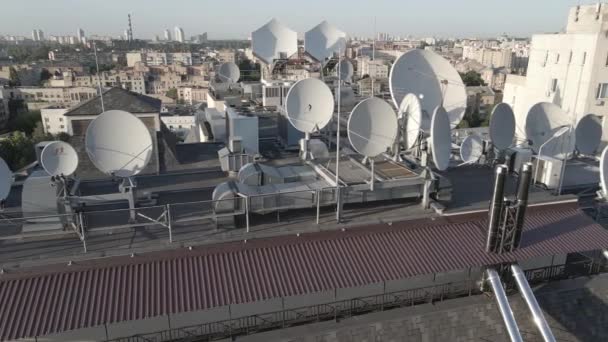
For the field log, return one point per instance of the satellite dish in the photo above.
(412, 113)
(433, 79)
(309, 105)
(543, 121)
(588, 134)
(471, 149)
(6, 180)
(323, 40)
(59, 158)
(229, 72)
(604, 171)
(346, 70)
(318, 149)
(118, 143)
(560, 145)
(441, 140)
(272, 39)
(502, 126)
(372, 127)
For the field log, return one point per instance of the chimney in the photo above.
(496, 207)
(523, 187)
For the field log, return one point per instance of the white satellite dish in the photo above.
(309, 105)
(502, 126)
(560, 145)
(6, 180)
(433, 79)
(588, 134)
(318, 149)
(59, 158)
(441, 140)
(410, 111)
(271, 40)
(118, 143)
(603, 172)
(346, 70)
(471, 149)
(323, 40)
(372, 127)
(543, 120)
(229, 72)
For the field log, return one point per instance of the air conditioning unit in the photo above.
(549, 171)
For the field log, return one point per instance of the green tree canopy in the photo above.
(172, 93)
(472, 79)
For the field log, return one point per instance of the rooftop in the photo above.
(118, 99)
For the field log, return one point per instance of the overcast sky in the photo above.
(237, 18)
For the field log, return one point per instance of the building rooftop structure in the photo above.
(117, 99)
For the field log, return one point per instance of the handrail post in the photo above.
(82, 236)
(168, 218)
(247, 212)
(318, 194)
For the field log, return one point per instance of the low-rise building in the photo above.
(192, 94)
(480, 100)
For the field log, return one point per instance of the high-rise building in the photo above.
(80, 34)
(37, 35)
(167, 35)
(179, 34)
(569, 69)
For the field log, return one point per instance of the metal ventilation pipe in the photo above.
(496, 207)
(503, 306)
(523, 190)
(528, 295)
(605, 252)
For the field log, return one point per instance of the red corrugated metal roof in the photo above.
(91, 293)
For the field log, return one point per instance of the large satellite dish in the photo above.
(309, 105)
(410, 111)
(372, 127)
(441, 142)
(59, 158)
(229, 72)
(346, 70)
(588, 134)
(433, 79)
(6, 180)
(118, 143)
(471, 149)
(323, 40)
(272, 39)
(603, 171)
(543, 121)
(502, 126)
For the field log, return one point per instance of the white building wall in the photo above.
(53, 120)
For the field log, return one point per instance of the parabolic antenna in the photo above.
(561, 143)
(118, 143)
(412, 113)
(309, 105)
(346, 70)
(543, 121)
(604, 171)
(433, 79)
(372, 127)
(502, 126)
(6, 180)
(441, 141)
(471, 149)
(323, 40)
(272, 39)
(588, 134)
(59, 158)
(229, 72)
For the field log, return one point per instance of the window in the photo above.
(60, 119)
(46, 119)
(606, 60)
(602, 90)
(62, 126)
(553, 85)
(556, 58)
(570, 57)
(546, 58)
(584, 58)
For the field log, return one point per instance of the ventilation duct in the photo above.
(496, 208)
(503, 306)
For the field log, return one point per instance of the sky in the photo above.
(235, 19)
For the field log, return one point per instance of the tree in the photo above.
(249, 71)
(25, 122)
(44, 75)
(472, 79)
(172, 93)
(13, 77)
(17, 150)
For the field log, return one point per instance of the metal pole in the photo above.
(526, 292)
(496, 207)
(168, 218)
(247, 212)
(338, 214)
(84, 241)
(373, 55)
(318, 192)
(103, 109)
(503, 306)
(371, 184)
(605, 253)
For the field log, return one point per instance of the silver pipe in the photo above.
(523, 190)
(605, 252)
(528, 295)
(503, 306)
(496, 207)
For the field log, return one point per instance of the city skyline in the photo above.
(435, 18)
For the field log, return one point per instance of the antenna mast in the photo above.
(130, 31)
(338, 214)
(103, 109)
(373, 54)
